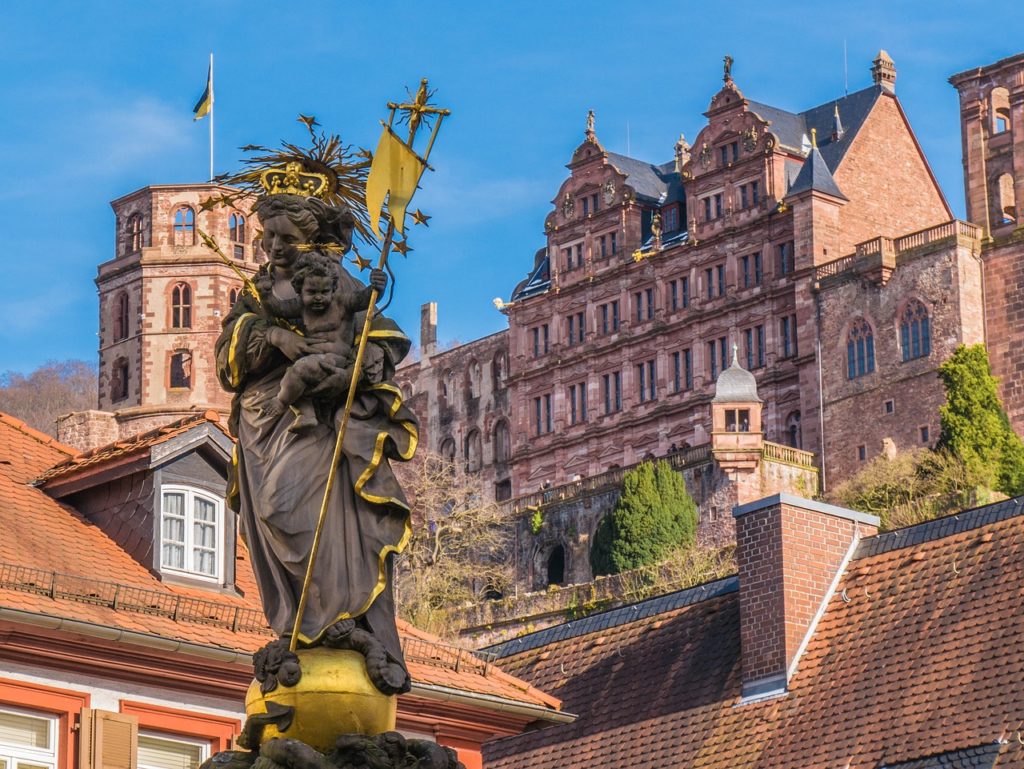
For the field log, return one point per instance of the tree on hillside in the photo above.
(911, 487)
(461, 543)
(974, 424)
(53, 389)
(654, 514)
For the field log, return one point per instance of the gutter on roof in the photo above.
(490, 702)
(91, 629)
(219, 654)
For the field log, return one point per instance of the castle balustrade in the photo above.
(885, 252)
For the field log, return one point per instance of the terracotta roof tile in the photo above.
(27, 452)
(125, 447)
(920, 657)
(55, 562)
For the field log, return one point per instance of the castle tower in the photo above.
(162, 298)
(736, 432)
(992, 129)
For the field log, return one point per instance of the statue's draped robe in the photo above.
(278, 479)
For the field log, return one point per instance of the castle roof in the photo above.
(815, 176)
(913, 664)
(736, 384)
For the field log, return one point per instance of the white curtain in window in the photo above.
(161, 753)
(174, 531)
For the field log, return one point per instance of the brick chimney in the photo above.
(791, 552)
(428, 329)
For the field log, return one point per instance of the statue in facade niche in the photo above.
(318, 420)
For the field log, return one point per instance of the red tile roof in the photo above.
(138, 444)
(55, 562)
(920, 653)
(27, 451)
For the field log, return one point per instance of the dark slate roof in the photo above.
(539, 279)
(736, 385)
(615, 617)
(980, 757)
(653, 183)
(792, 128)
(914, 664)
(816, 176)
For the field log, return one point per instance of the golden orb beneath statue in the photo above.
(334, 697)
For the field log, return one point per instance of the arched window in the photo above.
(794, 437)
(474, 451)
(915, 331)
(121, 317)
(556, 566)
(232, 298)
(448, 385)
(502, 443)
(191, 532)
(236, 224)
(181, 306)
(473, 379)
(1006, 213)
(860, 350)
(181, 370)
(184, 227)
(135, 234)
(448, 449)
(1000, 109)
(499, 370)
(119, 380)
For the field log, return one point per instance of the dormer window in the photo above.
(192, 533)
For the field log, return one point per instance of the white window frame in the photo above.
(191, 493)
(13, 755)
(204, 745)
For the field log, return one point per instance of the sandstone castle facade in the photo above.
(816, 243)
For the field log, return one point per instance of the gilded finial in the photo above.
(814, 138)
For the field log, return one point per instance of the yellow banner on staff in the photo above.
(395, 169)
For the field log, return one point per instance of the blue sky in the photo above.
(96, 101)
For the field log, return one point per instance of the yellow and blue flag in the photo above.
(205, 103)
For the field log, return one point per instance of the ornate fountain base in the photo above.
(333, 696)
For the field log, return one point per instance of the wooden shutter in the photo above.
(107, 740)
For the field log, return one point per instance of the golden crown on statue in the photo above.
(293, 179)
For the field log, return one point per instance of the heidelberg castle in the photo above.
(818, 243)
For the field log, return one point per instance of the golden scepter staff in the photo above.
(211, 244)
(417, 109)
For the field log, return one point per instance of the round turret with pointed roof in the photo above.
(736, 384)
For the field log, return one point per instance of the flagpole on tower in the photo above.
(212, 103)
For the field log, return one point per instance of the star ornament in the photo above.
(418, 217)
(402, 247)
(309, 121)
(360, 262)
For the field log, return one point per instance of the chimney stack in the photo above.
(791, 553)
(428, 329)
(883, 71)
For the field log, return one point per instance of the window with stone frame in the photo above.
(670, 218)
(755, 344)
(750, 270)
(999, 107)
(181, 306)
(502, 443)
(784, 258)
(191, 532)
(122, 317)
(181, 370)
(136, 236)
(647, 386)
(184, 226)
(787, 329)
(915, 331)
(612, 391)
(682, 370)
(232, 298)
(236, 227)
(575, 328)
(474, 451)
(119, 380)
(1006, 208)
(860, 349)
(447, 449)
(543, 419)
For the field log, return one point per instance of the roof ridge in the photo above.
(620, 615)
(38, 435)
(939, 528)
(130, 444)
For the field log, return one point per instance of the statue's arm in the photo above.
(243, 348)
